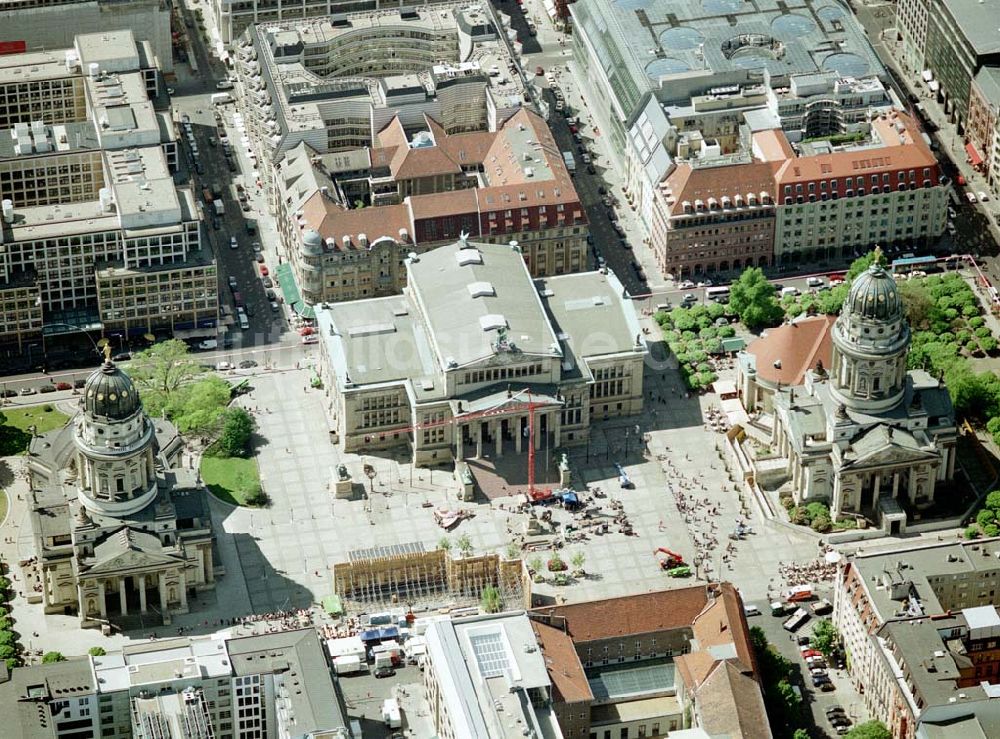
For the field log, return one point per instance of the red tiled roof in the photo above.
(903, 148)
(634, 614)
(334, 222)
(689, 184)
(797, 346)
(563, 663)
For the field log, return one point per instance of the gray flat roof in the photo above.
(376, 340)
(590, 313)
(920, 562)
(296, 657)
(466, 290)
(979, 21)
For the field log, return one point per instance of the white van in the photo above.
(789, 291)
(244, 321)
(814, 281)
(208, 344)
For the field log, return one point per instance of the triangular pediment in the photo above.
(133, 559)
(884, 446)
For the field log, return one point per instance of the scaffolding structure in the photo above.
(408, 574)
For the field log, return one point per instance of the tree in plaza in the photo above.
(490, 600)
(869, 730)
(535, 564)
(236, 431)
(162, 370)
(752, 298)
(200, 406)
(513, 550)
(464, 545)
(50, 657)
(825, 638)
(444, 544)
(578, 559)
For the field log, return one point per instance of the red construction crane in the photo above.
(673, 558)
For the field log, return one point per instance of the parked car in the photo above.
(28, 391)
(247, 364)
(271, 295)
(233, 285)
(122, 356)
(807, 653)
(79, 383)
(384, 671)
(274, 306)
(47, 389)
(260, 258)
(267, 281)
(983, 197)
(64, 386)
(233, 243)
(264, 271)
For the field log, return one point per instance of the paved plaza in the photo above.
(280, 557)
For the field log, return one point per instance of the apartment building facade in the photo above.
(983, 129)
(426, 190)
(919, 626)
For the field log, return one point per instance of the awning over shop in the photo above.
(974, 157)
(290, 290)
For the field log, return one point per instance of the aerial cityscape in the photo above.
(612, 369)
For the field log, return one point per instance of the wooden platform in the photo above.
(498, 477)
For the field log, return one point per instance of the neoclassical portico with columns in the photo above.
(454, 367)
(867, 435)
(119, 530)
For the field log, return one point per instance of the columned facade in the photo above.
(867, 436)
(107, 524)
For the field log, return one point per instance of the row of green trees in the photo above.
(693, 336)
(10, 645)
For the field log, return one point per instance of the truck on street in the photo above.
(221, 98)
(347, 664)
(220, 209)
(570, 161)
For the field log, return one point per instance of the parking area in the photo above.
(365, 695)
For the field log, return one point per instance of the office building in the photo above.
(691, 49)
(826, 197)
(862, 432)
(962, 37)
(94, 229)
(214, 687)
(335, 83)
(425, 190)
(911, 24)
(920, 627)
(485, 677)
(38, 25)
(455, 363)
(653, 664)
(117, 524)
(233, 17)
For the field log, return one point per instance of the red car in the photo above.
(807, 653)
(264, 272)
(306, 330)
(573, 129)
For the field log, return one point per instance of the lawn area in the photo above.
(15, 438)
(234, 480)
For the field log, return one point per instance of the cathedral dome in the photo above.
(874, 296)
(110, 393)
